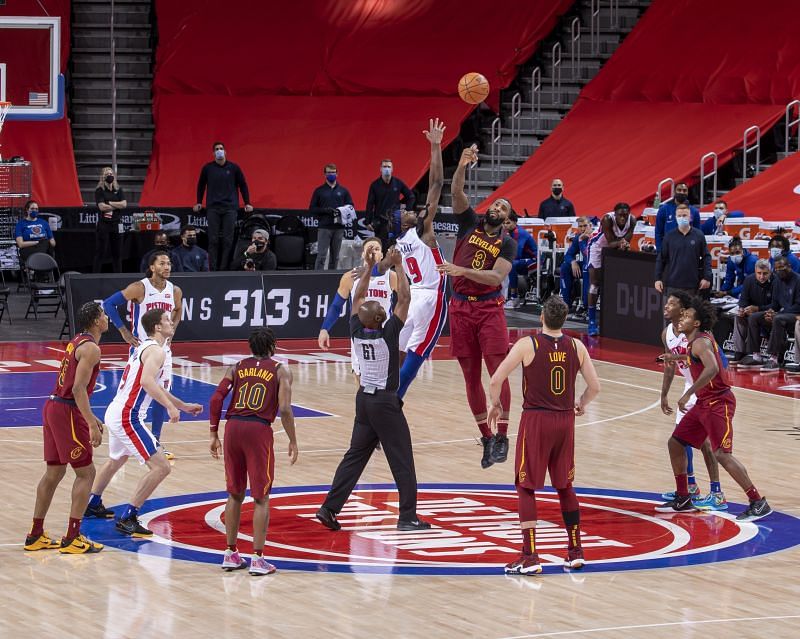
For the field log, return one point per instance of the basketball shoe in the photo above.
(488, 448)
(500, 450)
(712, 501)
(98, 512)
(758, 509)
(416, 524)
(131, 526)
(260, 566)
(328, 518)
(677, 505)
(232, 560)
(167, 455)
(80, 545)
(574, 560)
(40, 542)
(694, 491)
(524, 565)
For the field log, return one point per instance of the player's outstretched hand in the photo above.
(193, 409)
(371, 258)
(215, 445)
(469, 156)
(665, 407)
(435, 131)
(450, 269)
(395, 257)
(293, 452)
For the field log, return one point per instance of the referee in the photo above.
(379, 411)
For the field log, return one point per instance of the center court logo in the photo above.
(475, 531)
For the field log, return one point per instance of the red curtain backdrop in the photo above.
(689, 79)
(773, 194)
(293, 87)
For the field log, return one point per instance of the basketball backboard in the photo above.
(30, 67)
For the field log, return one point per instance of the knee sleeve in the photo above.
(527, 504)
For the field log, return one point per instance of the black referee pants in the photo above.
(379, 417)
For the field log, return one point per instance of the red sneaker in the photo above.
(574, 560)
(524, 565)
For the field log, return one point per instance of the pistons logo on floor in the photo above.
(475, 531)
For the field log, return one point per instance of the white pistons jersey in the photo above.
(420, 260)
(131, 398)
(679, 345)
(153, 298)
(598, 240)
(380, 290)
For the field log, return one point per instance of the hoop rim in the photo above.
(4, 103)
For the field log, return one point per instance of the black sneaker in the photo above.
(736, 359)
(417, 524)
(749, 362)
(488, 447)
(328, 518)
(681, 504)
(758, 509)
(98, 512)
(791, 369)
(131, 526)
(500, 450)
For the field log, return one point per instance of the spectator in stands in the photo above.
(160, 243)
(258, 257)
(779, 246)
(741, 263)
(755, 299)
(575, 264)
(221, 181)
(665, 217)
(778, 319)
(525, 262)
(110, 200)
(33, 233)
(187, 257)
(556, 205)
(325, 202)
(384, 204)
(684, 262)
(716, 225)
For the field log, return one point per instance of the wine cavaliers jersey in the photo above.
(478, 250)
(718, 386)
(255, 389)
(66, 375)
(153, 298)
(420, 260)
(548, 382)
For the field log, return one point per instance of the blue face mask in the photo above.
(34, 213)
(219, 154)
(683, 222)
(331, 177)
(386, 171)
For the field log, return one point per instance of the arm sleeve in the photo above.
(334, 311)
(201, 185)
(467, 221)
(110, 305)
(242, 184)
(217, 400)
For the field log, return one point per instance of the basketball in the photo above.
(473, 88)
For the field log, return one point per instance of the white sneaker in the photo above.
(260, 566)
(233, 560)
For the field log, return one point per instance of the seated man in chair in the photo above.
(258, 257)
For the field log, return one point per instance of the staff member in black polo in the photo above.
(383, 200)
(379, 411)
(683, 263)
(110, 200)
(556, 205)
(221, 181)
(325, 199)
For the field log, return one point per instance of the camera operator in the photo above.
(258, 257)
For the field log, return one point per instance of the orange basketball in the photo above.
(473, 88)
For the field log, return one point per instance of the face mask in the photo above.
(557, 190)
(109, 179)
(718, 213)
(775, 252)
(34, 213)
(259, 245)
(219, 154)
(331, 177)
(737, 259)
(386, 171)
(680, 198)
(161, 246)
(191, 241)
(683, 222)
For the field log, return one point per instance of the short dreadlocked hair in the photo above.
(262, 342)
(87, 315)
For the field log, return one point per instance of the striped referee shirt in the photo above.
(378, 352)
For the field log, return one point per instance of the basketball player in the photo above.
(154, 291)
(675, 342)
(546, 439)
(70, 432)
(381, 287)
(482, 260)
(379, 411)
(615, 231)
(261, 387)
(417, 243)
(143, 380)
(710, 418)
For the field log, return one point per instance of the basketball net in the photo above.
(4, 108)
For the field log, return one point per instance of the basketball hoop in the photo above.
(4, 108)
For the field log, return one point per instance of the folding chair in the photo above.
(43, 284)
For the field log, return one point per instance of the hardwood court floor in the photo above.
(620, 448)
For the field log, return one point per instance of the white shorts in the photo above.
(427, 315)
(596, 255)
(679, 413)
(128, 439)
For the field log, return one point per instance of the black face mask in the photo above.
(680, 198)
(191, 241)
(557, 191)
(259, 245)
(109, 179)
(160, 247)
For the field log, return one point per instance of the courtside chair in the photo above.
(43, 282)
